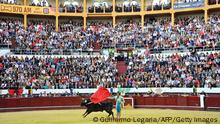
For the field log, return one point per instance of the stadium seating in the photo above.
(190, 33)
(58, 72)
(200, 70)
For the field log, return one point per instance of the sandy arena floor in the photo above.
(130, 116)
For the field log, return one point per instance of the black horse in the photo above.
(91, 107)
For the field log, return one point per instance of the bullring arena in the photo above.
(163, 56)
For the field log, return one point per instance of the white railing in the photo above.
(55, 52)
(130, 90)
(95, 52)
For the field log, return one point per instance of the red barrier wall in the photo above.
(41, 101)
(168, 101)
(213, 101)
(177, 101)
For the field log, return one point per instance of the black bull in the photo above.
(91, 107)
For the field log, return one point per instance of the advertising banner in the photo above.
(183, 5)
(26, 9)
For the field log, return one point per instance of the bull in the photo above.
(99, 107)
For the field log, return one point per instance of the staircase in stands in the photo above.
(122, 67)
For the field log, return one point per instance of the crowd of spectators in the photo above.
(8, 29)
(69, 25)
(211, 2)
(189, 31)
(127, 33)
(135, 7)
(158, 33)
(159, 5)
(8, 1)
(100, 7)
(56, 73)
(199, 70)
(70, 8)
(42, 3)
(71, 35)
(128, 8)
(190, 70)
(36, 36)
